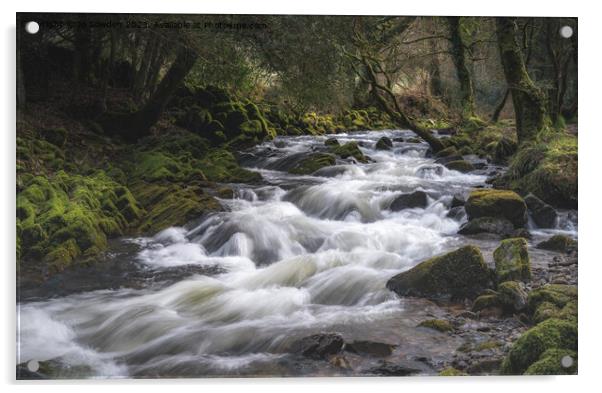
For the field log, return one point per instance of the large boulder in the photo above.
(497, 203)
(409, 201)
(543, 214)
(384, 143)
(459, 274)
(512, 260)
(349, 149)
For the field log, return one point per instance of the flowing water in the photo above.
(294, 256)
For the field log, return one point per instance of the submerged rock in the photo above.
(543, 214)
(319, 346)
(559, 243)
(312, 163)
(384, 143)
(332, 142)
(459, 274)
(409, 201)
(512, 260)
(498, 204)
(371, 348)
(498, 226)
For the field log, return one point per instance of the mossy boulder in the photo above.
(504, 149)
(512, 260)
(349, 149)
(447, 152)
(555, 362)
(497, 203)
(498, 226)
(440, 325)
(558, 295)
(66, 216)
(486, 301)
(384, 143)
(460, 166)
(312, 163)
(529, 348)
(459, 274)
(559, 243)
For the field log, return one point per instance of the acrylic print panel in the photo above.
(280, 195)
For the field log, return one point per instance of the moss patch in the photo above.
(497, 203)
(437, 324)
(512, 260)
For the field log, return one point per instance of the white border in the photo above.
(589, 163)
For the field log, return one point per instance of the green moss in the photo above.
(550, 363)
(171, 205)
(452, 372)
(447, 152)
(312, 163)
(497, 203)
(555, 294)
(560, 243)
(460, 166)
(349, 149)
(547, 168)
(437, 324)
(512, 260)
(459, 274)
(220, 165)
(550, 334)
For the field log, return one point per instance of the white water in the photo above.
(300, 255)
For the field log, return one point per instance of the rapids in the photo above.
(293, 256)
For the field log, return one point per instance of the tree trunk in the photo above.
(138, 124)
(459, 60)
(529, 102)
(396, 112)
(498, 109)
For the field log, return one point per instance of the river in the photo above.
(294, 256)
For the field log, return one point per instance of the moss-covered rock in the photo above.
(547, 168)
(452, 372)
(555, 362)
(70, 215)
(384, 143)
(312, 163)
(349, 149)
(512, 260)
(487, 301)
(437, 324)
(557, 295)
(497, 203)
(512, 296)
(460, 166)
(331, 142)
(459, 274)
(529, 348)
(559, 243)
